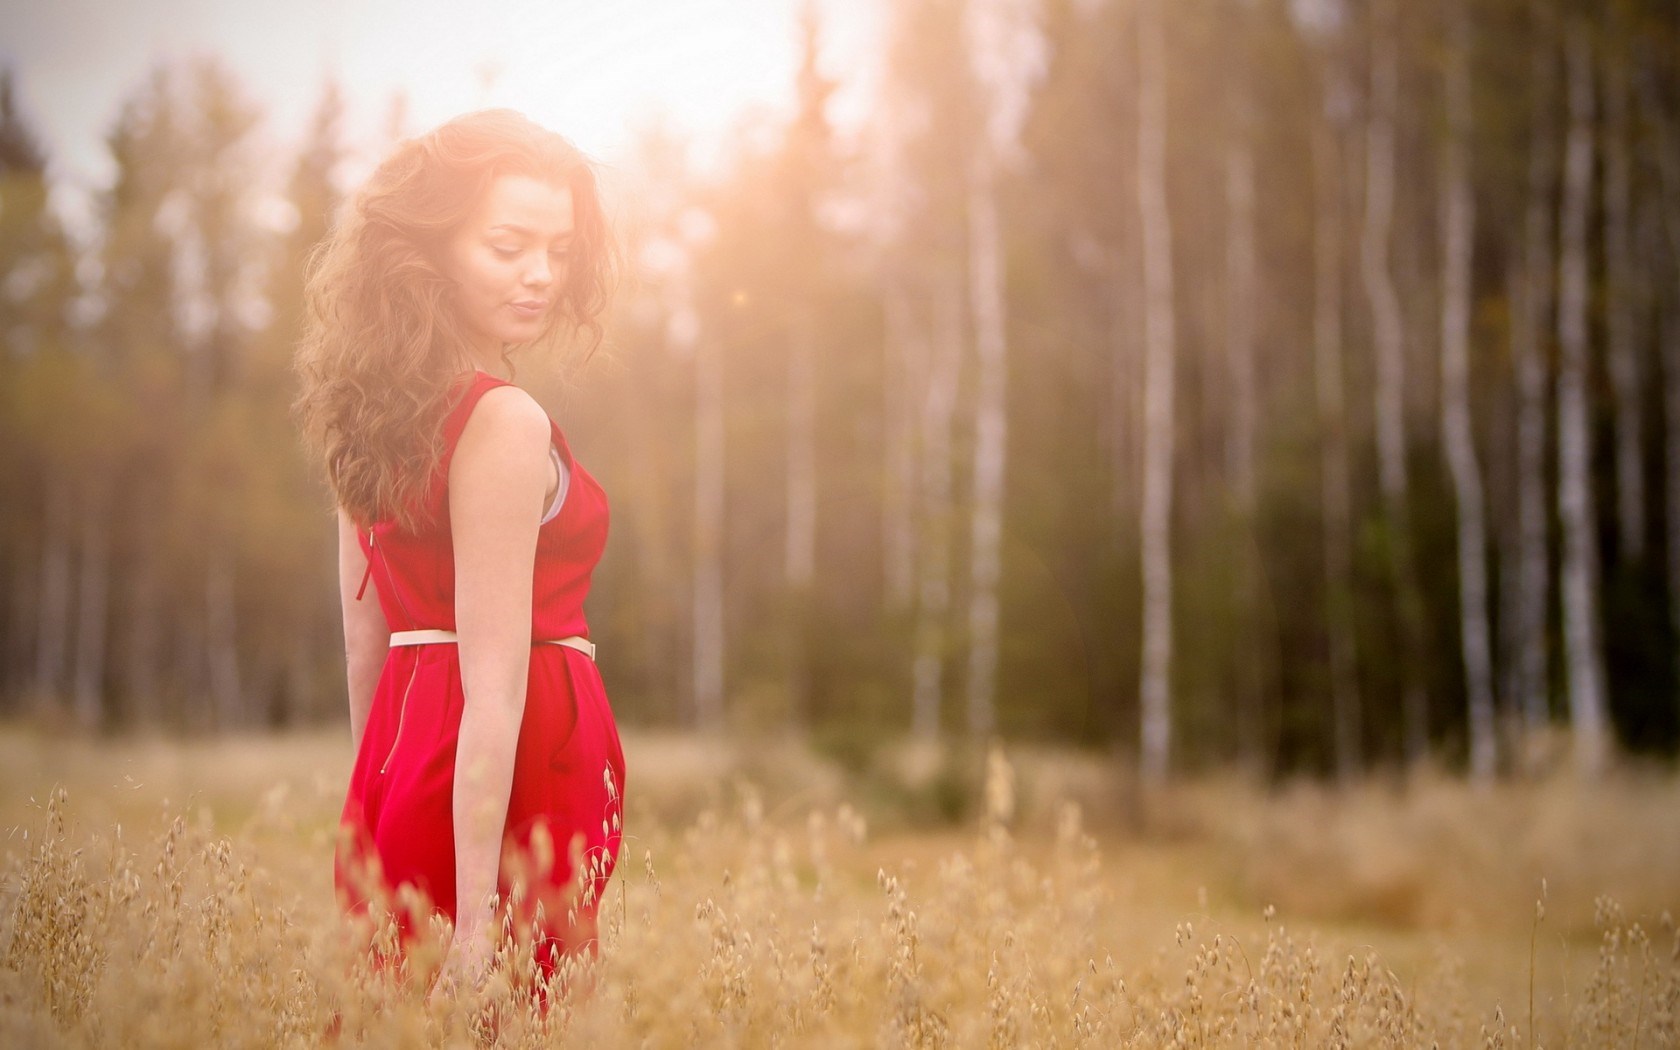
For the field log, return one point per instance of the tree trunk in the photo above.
(52, 645)
(1333, 448)
(91, 607)
(22, 624)
(801, 553)
(1242, 322)
(933, 562)
(1389, 337)
(1528, 686)
(990, 445)
(1582, 647)
(1241, 319)
(1621, 278)
(1155, 685)
(143, 619)
(221, 638)
(1668, 171)
(1457, 437)
(708, 538)
(902, 351)
(1668, 335)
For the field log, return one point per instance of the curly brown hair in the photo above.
(382, 341)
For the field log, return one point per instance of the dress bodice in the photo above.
(415, 571)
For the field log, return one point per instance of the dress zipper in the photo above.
(402, 708)
(402, 713)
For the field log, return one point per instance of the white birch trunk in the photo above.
(1620, 328)
(933, 562)
(1457, 436)
(990, 445)
(900, 346)
(52, 644)
(91, 604)
(1529, 676)
(1582, 647)
(1155, 685)
(1388, 333)
(1334, 470)
(708, 538)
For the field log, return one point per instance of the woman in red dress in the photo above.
(488, 773)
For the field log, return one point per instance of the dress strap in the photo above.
(477, 385)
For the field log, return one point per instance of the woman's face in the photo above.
(508, 261)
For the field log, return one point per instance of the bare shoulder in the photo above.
(509, 420)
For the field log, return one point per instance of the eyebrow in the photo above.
(526, 231)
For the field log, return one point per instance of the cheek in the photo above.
(485, 274)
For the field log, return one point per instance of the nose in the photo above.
(540, 274)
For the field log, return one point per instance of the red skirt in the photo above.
(564, 819)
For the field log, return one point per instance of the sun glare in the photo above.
(597, 70)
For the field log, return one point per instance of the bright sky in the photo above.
(595, 70)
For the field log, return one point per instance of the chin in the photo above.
(516, 335)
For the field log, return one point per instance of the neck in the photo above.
(485, 359)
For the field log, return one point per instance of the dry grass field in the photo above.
(178, 894)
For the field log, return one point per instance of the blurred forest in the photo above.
(1287, 384)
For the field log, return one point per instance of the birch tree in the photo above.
(708, 521)
(1155, 685)
(899, 341)
(1583, 649)
(1527, 677)
(1457, 438)
(933, 562)
(1389, 338)
(1005, 55)
(807, 160)
(1329, 168)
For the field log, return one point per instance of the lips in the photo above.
(529, 308)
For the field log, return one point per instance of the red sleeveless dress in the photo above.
(568, 776)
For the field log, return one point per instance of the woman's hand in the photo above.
(466, 962)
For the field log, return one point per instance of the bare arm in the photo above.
(367, 637)
(496, 486)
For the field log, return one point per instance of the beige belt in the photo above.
(437, 637)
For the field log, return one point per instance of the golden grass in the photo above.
(178, 894)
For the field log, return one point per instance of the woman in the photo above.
(488, 773)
